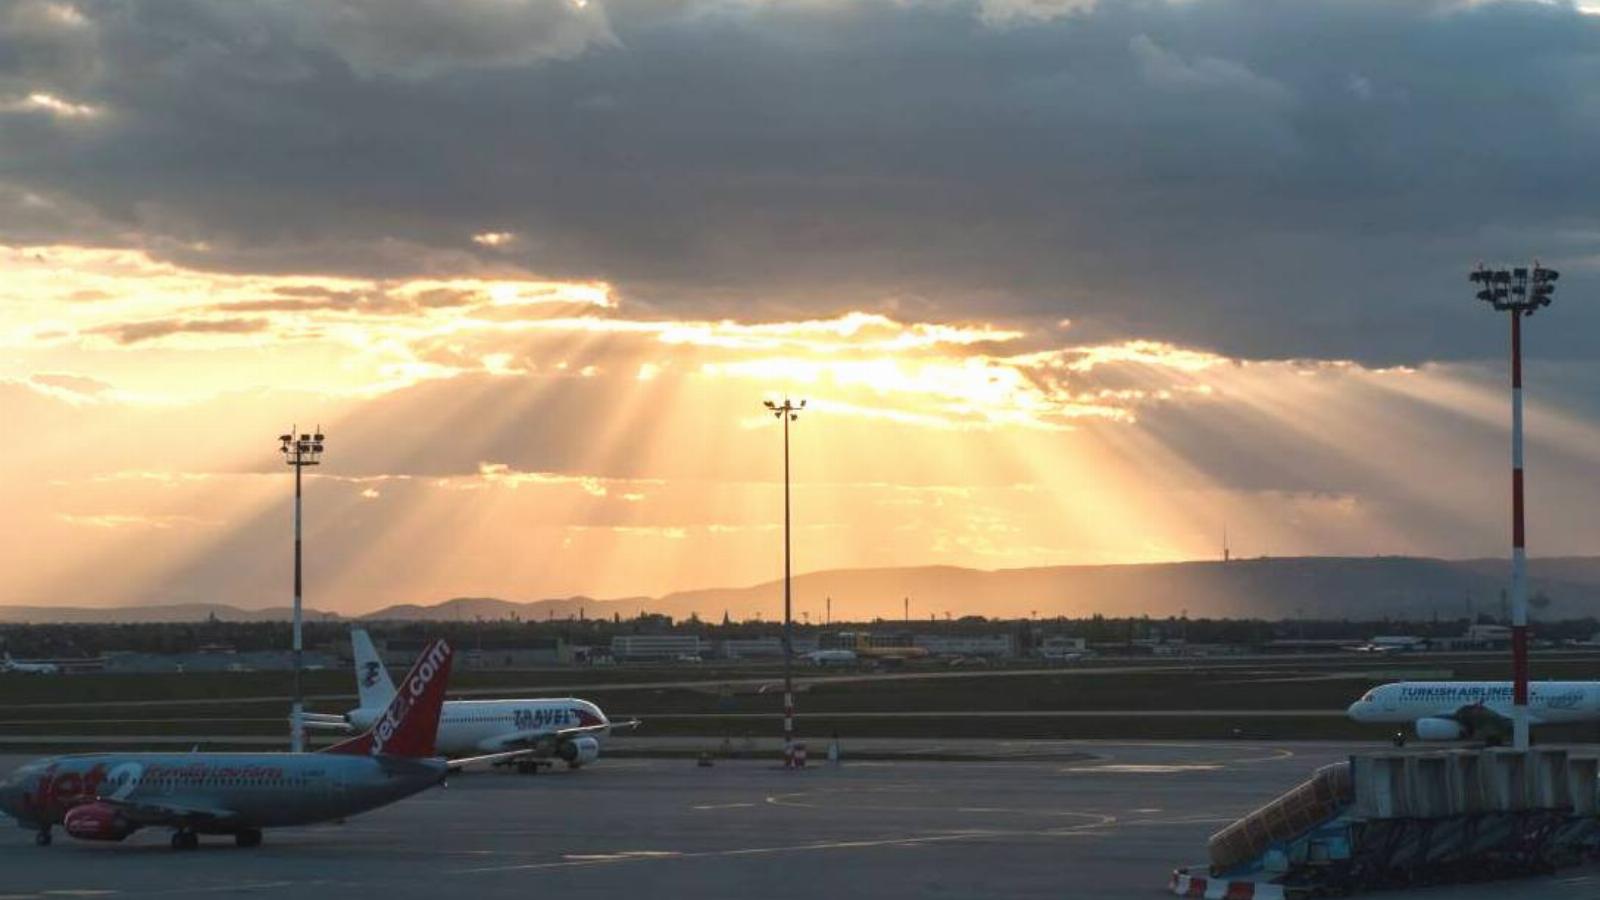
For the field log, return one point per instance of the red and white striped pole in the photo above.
(1519, 551)
(1519, 291)
(788, 625)
(788, 730)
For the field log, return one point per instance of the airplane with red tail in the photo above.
(109, 796)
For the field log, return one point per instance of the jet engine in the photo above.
(98, 822)
(579, 751)
(1440, 729)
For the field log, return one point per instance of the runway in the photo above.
(1076, 819)
(549, 683)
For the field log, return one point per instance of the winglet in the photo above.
(410, 724)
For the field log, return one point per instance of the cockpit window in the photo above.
(1371, 696)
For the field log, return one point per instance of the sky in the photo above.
(1061, 281)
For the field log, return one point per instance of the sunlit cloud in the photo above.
(509, 423)
(41, 102)
(501, 474)
(855, 330)
(494, 238)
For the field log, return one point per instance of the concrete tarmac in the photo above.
(1073, 819)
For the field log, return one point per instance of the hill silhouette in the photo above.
(1395, 587)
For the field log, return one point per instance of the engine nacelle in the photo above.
(1440, 729)
(98, 822)
(579, 751)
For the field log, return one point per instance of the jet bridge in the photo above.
(1393, 820)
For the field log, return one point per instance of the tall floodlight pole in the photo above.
(787, 411)
(299, 451)
(1519, 291)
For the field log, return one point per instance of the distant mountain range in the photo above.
(1394, 587)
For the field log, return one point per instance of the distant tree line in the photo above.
(88, 640)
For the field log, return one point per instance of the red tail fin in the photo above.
(410, 724)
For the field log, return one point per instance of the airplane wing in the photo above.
(489, 759)
(168, 812)
(545, 740)
(581, 730)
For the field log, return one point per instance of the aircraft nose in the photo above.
(1357, 710)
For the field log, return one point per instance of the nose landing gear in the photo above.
(185, 840)
(43, 838)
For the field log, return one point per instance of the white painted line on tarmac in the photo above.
(1144, 768)
(612, 859)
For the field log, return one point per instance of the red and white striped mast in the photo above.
(1519, 291)
(788, 411)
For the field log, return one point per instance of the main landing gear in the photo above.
(185, 840)
(250, 837)
(42, 838)
(527, 767)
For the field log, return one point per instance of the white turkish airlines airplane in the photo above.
(1466, 710)
(565, 729)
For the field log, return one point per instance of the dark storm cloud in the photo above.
(45, 46)
(1282, 179)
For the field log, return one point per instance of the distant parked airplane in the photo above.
(7, 664)
(563, 729)
(831, 657)
(1468, 710)
(108, 796)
